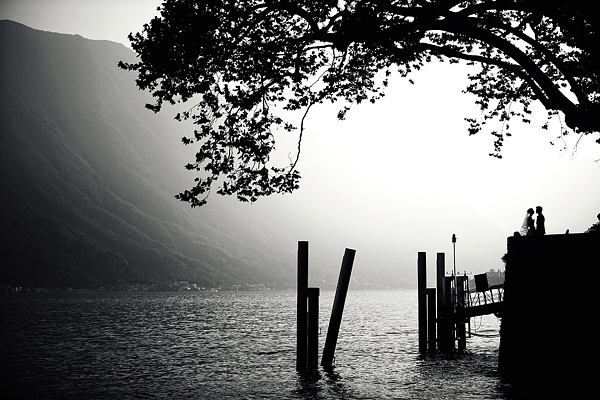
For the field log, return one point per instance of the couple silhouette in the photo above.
(532, 227)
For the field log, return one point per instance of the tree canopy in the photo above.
(241, 60)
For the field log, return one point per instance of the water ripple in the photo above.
(227, 346)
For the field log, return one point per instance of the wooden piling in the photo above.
(431, 325)
(440, 273)
(444, 328)
(461, 333)
(422, 301)
(338, 308)
(313, 329)
(446, 331)
(301, 317)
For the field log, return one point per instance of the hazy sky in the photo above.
(402, 175)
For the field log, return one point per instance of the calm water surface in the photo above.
(225, 345)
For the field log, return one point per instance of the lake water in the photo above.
(226, 345)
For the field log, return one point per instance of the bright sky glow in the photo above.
(400, 176)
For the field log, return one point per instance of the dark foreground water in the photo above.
(225, 345)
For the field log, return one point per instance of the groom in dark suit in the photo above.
(540, 222)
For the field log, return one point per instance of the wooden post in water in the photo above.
(461, 332)
(301, 317)
(422, 300)
(313, 329)
(338, 308)
(440, 273)
(445, 309)
(446, 331)
(431, 320)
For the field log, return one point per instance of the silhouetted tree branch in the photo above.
(242, 60)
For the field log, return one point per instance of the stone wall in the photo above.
(550, 312)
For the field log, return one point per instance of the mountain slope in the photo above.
(87, 178)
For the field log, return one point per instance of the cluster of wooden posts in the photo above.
(450, 319)
(441, 317)
(307, 346)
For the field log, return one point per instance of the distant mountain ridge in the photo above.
(87, 179)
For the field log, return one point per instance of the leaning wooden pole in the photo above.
(301, 318)
(338, 308)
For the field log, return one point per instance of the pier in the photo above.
(547, 304)
(548, 333)
(445, 311)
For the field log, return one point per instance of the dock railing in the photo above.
(495, 294)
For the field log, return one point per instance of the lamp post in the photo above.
(454, 260)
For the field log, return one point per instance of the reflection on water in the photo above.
(228, 346)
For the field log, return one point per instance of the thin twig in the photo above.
(293, 166)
